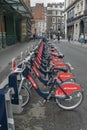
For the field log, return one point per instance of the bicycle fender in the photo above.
(68, 88)
(63, 76)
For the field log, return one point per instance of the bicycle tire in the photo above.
(67, 104)
(24, 91)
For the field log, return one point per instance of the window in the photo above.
(78, 8)
(58, 13)
(58, 26)
(53, 6)
(56, 6)
(53, 19)
(60, 6)
(54, 26)
(58, 20)
(81, 6)
(54, 12)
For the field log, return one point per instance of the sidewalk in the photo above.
(10, 52)
(76, 43)
(79, 44)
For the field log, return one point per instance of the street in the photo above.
(76, 55)
(48, 116)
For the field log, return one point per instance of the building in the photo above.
(26, 22)
(55, 18)
(39, 16)
(75, 18)
(15, 22)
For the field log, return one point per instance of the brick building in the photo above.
(39, 16)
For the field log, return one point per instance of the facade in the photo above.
(26, 22)
(39, 16)
(55, 18)
(14, 22)
(75, 18)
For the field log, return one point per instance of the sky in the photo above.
(44, 1)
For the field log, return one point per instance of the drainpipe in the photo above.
(0, 27)
(2, 31)
(14, 30)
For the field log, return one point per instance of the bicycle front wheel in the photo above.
(25, 93)
(72, 102)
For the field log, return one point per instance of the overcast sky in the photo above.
(44, 1)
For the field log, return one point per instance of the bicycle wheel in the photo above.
(25, 93)
(72, 102)
(24, 87)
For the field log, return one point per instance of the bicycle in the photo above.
(24, 86)
(68, 96)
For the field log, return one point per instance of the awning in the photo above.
(19, 6)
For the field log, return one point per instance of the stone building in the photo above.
(55, 18)
(75, 18)
(15, 22)
(26, 22)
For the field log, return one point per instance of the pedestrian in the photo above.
(34, 36)
(58, 37)
(82, 38)
(69, 37)
(51, 36)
